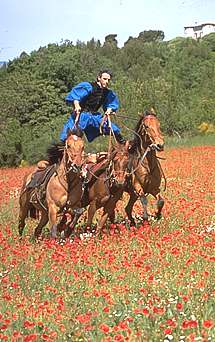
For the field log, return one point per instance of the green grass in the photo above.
(101, 143)
(189, 141)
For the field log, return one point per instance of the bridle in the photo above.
(69, 161)
(149, 135)
(113, 173)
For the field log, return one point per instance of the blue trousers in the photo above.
(90, 124)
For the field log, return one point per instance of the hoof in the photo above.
(53, 236)
(158, 216)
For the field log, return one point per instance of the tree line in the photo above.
(176, 77)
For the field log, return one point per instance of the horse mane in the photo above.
(139, 125)
(55, 153)
(136, 142)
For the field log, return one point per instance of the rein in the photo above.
(140, 160)
(163, 174)
(130, 130)
(125, 117)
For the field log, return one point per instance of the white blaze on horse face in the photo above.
(75, 137)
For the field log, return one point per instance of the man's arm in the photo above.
(111, 103)
(77, 93)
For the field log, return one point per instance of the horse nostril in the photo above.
(160, 147)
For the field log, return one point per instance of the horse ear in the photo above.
(146, 112)
(152, 111)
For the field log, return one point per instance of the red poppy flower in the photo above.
(188, 324)
(28, 324)
(208, 324)
(104, 328)
(30, 338)
(179, 306)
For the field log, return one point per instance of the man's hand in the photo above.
(77, 107)
(77, 110)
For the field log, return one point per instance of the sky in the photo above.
(26, 25)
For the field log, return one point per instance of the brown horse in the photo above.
(105, 188)
(64, 188)
(146, 169)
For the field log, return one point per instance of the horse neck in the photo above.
(62, 165)
(70, 180)
(61, 174)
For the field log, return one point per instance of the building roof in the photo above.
(199, 26)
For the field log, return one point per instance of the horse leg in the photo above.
(91, 212)
(53, 220)
(71, 226)
(129, 208)
(22, 216)
(144, 203)
(109, 212)
(43, 221)
(23, 212)
(112, 217)
(159, 204)
(102, 222)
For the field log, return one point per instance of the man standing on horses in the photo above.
(87, 98)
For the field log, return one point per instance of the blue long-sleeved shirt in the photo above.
(83, 89)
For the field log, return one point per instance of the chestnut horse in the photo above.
(105, 189)
(64, 188)
(146, 169)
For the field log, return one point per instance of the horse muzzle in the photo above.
(157, 147)
(119, 183)
(119, 180)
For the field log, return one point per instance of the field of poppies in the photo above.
(151, 282)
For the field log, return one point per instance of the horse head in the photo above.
(153, 131)
(74, 148)
(148, 131)
(120, 160)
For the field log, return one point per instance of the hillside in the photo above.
(176, 77)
